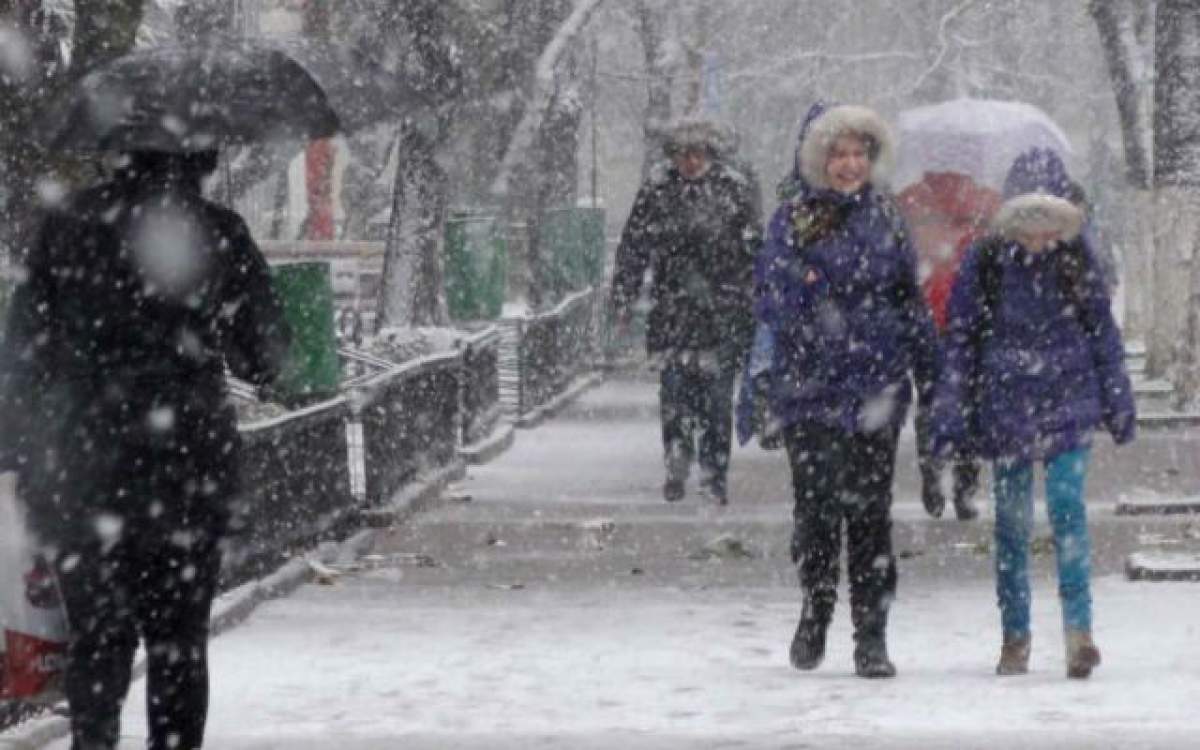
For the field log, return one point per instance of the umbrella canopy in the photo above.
(359, 87)
(190, 98)
(979, 138)
(945, 212)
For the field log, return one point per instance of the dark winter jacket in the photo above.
(115, 412)
(699, 238)
(837, 289)
(1034, 361)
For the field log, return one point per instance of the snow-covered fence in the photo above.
(481, 406)
(553, 349)
(410, 421)
(308, 474)
(295, 480)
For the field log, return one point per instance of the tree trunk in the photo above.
(1126, 69)
(651, 29)
(410, 292)
(1175, 215)
(1187, 381)
(1177, 183)
(1138, 257)
(1123, 36)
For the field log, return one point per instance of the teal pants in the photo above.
(1065, 477)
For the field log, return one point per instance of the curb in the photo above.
(578, 387)
(1141, 566)
(235, 606)
(1167, 420)
(489, 448)
(422, 494)
(1159, 507)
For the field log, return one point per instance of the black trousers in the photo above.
(696, 402)
(965, 468)
(844, 479)
(161, 590)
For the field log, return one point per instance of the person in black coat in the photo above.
(694, 225)
(138, 294)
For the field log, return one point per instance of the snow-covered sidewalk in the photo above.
(566, 606)
(374, 663)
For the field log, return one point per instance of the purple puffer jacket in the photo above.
(1053, 370)
(848, 319)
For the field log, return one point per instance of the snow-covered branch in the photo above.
(943, 42)
(523, 138)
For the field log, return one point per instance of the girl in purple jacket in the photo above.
(1034, 365)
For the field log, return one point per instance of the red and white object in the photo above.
(31, 611)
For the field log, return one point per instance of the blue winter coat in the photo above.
(847, 317)
(1052, 369)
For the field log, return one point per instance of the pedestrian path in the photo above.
(557, 602)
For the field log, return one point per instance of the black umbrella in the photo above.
(191, 98)
(361, 89)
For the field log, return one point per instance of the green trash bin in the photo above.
(312, 370)
(572, 245)
(476, 266)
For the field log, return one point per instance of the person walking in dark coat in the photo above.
(138, 294)
(693, 224)
(946, 212)
(1034, 366)
(837, 286)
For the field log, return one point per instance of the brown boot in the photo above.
(1082, 654)
(1014, 656)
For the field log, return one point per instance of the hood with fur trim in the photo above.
(681, 135)
(1037, 192)
(822, 127)
(1038, 212)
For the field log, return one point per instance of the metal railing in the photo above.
(552, 349)
(410, 422)
(295, 480)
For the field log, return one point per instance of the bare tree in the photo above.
(1126, 38)
(651, 30)
(1177, 193)
(411, 288)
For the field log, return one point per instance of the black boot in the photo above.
(870, 646)
(932, 496)
(714, 487)
(966, 482)
(808, 645)
(871, 659)
(964, 508)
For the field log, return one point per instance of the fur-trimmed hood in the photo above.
(711, 136)
(1038, 212)
(1037, 195)
(822, 127)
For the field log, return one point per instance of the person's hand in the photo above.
(945, 441)
(1122, 427)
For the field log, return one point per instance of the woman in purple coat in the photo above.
(838, 294)
(1034, 366)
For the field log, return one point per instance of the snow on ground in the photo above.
(371, 664)
(535, 631)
